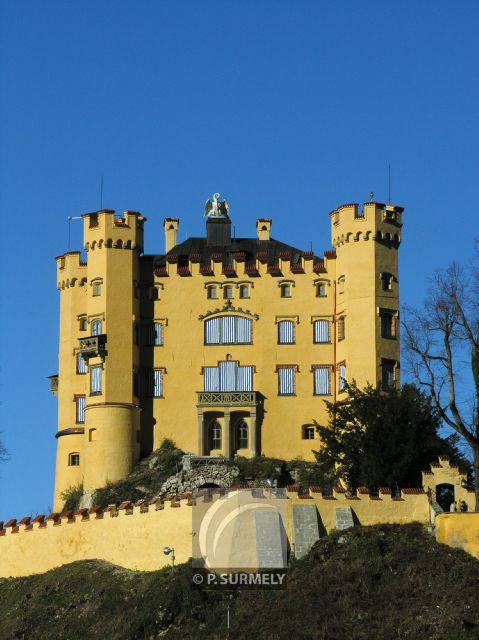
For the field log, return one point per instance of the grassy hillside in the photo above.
(383, 582)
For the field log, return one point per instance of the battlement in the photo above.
(71, 270)
(104, 229)
(373, 221)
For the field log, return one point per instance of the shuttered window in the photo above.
(228, 330)
(228, 376)
(95, 380)
(321, 381)
(286, 381)
(320, 331)
(286, 332)
(157, 383)
(342, 376)
(80, 409)
(81, 364)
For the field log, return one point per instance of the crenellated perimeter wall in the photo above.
(133, 535)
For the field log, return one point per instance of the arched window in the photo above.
(286, 332)
(96, 327)
(74, 460)
(227, 292)
(96, 286)
(228, 330)
(214, 435)
(241, 435)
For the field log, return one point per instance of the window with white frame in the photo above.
(228, 376)
(320, 331)
(308, 432)
(322, 380)
(228, 330)
(286, 386)
(95, 380)
(342, 376)
(80, 404)
(285, 332)
(81, 364)
(241, 435)
(96, 327)
(214, 435)
(156, 383)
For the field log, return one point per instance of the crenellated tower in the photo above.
(367, 292)
(99, 412)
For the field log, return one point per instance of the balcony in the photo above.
(227, 398)
(54, 384)
(93, 346)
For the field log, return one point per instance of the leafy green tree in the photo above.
(378, 439)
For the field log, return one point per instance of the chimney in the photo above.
(218, 231)
(171, 231)
(263, 227)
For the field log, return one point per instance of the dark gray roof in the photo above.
(249, 246)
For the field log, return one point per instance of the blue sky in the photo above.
(288, 108)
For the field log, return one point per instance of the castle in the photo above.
(225, 345)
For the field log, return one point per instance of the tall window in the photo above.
(388, 324)
(83, 324)
(241, 435)
(321, 380)
(227, 292)
(244, 291)
(212, 293)
(320, 331)
(95, 380)
(341, 328)
(214, 435)
(341, 281)
(386, 281)
(388, 378)
(286, 332)
(96, 327)
(156, 383)
(96, 287)
(80, 402)
(320, 289)
(285, 291)
(342, 376)
(228, 376)
(81, 364)
(286, 380)
(154, 334)
(228, 330)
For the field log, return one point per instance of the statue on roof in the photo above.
(216, 209)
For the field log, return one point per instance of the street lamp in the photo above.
(167, 551)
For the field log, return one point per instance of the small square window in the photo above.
(74, 460)
(227, 292)
(308, 433)
(212, 293)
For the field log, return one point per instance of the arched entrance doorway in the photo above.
(445, 495)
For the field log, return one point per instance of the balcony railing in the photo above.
(93, 346)
(54, 384)
(232, 398)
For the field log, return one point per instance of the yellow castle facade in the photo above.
(228, 346)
